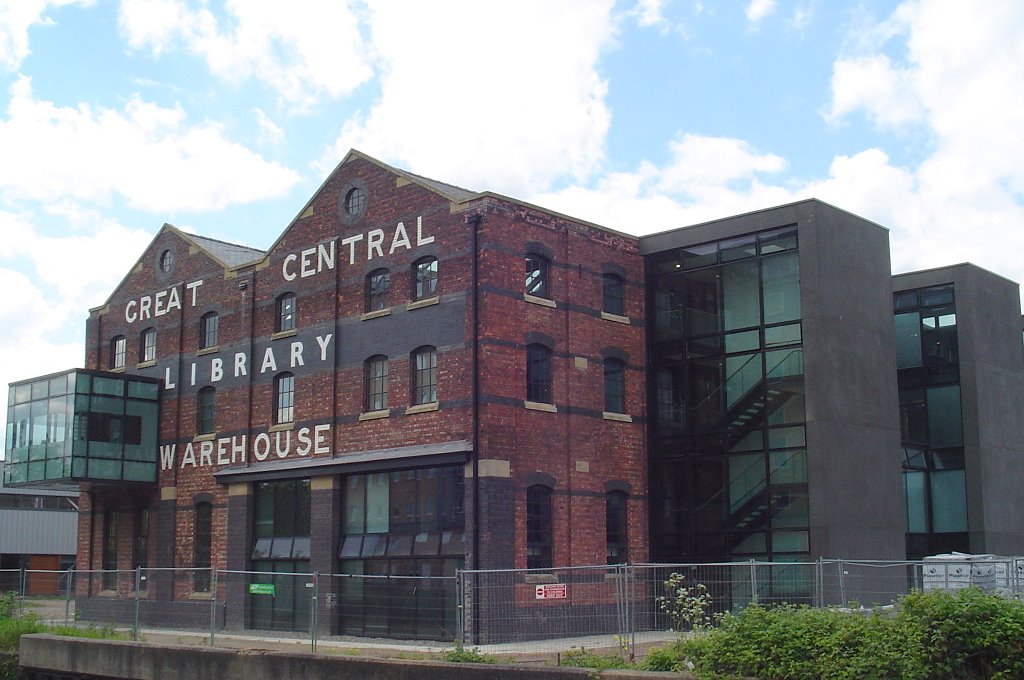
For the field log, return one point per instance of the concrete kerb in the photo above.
(146, 661)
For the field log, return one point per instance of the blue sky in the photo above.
(642, 115)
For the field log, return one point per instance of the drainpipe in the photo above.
(475, 283)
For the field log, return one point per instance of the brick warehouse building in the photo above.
(383, 391)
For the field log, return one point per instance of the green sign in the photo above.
(262, 589)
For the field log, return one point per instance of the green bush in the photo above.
(11, 631)
(579, 657)
(937, 635)
(460, 654)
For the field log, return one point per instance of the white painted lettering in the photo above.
(307, 269)
(269, 362)
(351, 243)
(421, 240)
(173, 300)
(216, 369)
(167, 456)
(323, 341)
(297, 359)
(325, 257)
(168, 385)
(193, 380)
(320, 438)
(129, 311)
(222, 451)
(304, 441)
(262, 441)
(288, 276)
(158, 309)
(282, 453)
(189, 457)
(238, 449)
(239, 363)
(374, 241)
(206, 453)
(400, 239)
(194, 288)
(144, 304)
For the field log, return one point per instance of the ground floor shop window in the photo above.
(402, 542)
(287, 607)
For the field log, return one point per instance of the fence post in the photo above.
(631, 605)
(842, 582)
(312, 612)
(213, 604)
(67, 596)
(460, 609)
(753, 581)
(135, 614)
(23, 588)
(820, 578)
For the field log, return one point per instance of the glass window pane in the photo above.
(945, 426)
(905, 300)
(702, 299)
(908, 340)
(738, 248)
(781, 282)
(949, 501)
(790, 541)
(782, 335)
(745, 341)
(786, 437)
(937, 295)
(788, 467)
(913, 486)
(377, 503)
(700, 256)
(354, 520)
(778, 240)
(746, 479)
(741, 305)
(669, 303)
(742, 377)
(790, 509)
(782, 363)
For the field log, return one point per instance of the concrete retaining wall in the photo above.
(142, 661)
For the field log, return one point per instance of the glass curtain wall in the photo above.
(728, 456)
(928, 363)
(401, 531)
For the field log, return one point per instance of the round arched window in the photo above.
(355, 201)
(166, 261)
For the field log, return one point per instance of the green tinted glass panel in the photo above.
(83, 383)
(778, 240)
(945, 426)
(738, 248)
(782, 335)
(741, 295)
(790, 509)
(377, 499)
(22, 394)
(37, 470)
(744, 341)
(746, 479)
(750, 441)
(785, 402)
(55, 468)
(37, 452)
(742, 377)
(143, 390)
(788, 467)
(41, 389)
(786, 437)
(700, 256)
(782, 363)
(908, 340)
(104, 469)
(139, 472)
(112, 386)
(58, 385)
(949, 501)
(781, 283)
(751, 543)
(354, 520)
(917, 509)
(790, 541)
(702, 302)
(107, 405)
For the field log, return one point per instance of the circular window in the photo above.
(166, 261)
(355, 201)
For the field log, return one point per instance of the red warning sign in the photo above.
(551, 591)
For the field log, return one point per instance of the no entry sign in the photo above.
(551, 591)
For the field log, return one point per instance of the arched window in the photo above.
(538, 373)
(538, 527)
(537, 271)
(204, 411)
(209, 329)
(378, 283)
(424, 375)
(147, 345)
(613, 297)
(614, 386)
(202, 544)
(284, 398)
(285, 320)
(424, 283)
(118, 350)
(615, 524)
(376, 391)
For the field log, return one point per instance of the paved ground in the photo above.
(57, 611)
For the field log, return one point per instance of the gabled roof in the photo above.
(229, 254)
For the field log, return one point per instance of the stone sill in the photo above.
(619, 417)
(281, 427)
(208, 350)
(146, 364)
(425, 302)
(617, 318)
(543, 302)
(205, 437)
(290, 333)
(540, 406)
(375, 415)
(375, 315)
(422, 408)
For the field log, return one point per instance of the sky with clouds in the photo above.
(222, 118)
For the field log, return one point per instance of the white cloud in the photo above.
(649, 13)
(145, 154)
(303, 50)
(270, 132)
(503, 97)
(16, 18)
(759, 9)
